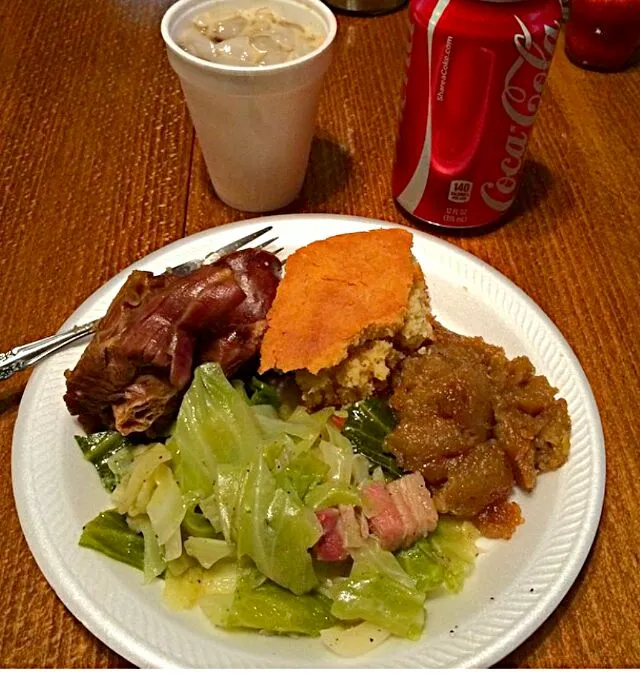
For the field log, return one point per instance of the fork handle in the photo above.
(19, 358)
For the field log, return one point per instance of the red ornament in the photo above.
(603, 34)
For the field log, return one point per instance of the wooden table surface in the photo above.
(99, 167)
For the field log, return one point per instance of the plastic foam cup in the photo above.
(254, 123)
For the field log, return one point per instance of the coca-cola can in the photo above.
(475, 74)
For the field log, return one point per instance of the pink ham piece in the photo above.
(384, 518)
(331, 545)
(396, 513)
(411, 491)
(409, 521)
(342, 529)
(399, 512)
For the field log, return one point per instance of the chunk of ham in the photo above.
(342, 528)
(400, 512)
(414, 502)
(396, 513)
(331, 545)
(384, 518)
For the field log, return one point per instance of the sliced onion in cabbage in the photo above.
(207, 551)
(353, 640)
(166, 508)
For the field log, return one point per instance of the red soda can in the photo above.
(474, 80)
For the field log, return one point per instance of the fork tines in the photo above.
(192, 265)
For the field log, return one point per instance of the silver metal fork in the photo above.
(25, 356)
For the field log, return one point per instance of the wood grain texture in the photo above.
(98, 167)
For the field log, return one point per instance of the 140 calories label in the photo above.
(460, 191)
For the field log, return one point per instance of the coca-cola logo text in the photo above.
(521, 104)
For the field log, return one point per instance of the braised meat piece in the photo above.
(141, 359)
(142, 403)
(475, 423)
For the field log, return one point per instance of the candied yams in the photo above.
(475, 423)
(477, 480)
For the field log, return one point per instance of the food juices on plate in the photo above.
(251, 74)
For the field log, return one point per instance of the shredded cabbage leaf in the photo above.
(445, 558)
(109, 534)
(101, 449)
(183, 588)
(300, 424)
(274, 528)
(380, 592)
(154, 562)
(262, 605)
(332, 493)
(303, 472)
(215, 426)
(166, 508)
(136, 487)
(349, 641)
(207, 551)
(198, 524)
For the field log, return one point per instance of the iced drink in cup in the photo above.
(251, 73)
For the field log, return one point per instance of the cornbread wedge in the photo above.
(349, 309)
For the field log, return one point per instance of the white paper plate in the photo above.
(516, 584)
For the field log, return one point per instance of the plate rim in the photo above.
(115, 636)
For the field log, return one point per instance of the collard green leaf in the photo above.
(368, 424)
(263, 393)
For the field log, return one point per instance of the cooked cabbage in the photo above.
(355, 640)
(446, 557)
(379, 591)
(207, 551)
(215, 426)
(109, 534)
(226, 511)
(262, 605)
(274, 529)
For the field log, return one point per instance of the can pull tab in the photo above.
(462, 89)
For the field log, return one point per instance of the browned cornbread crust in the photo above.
(337, 293)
